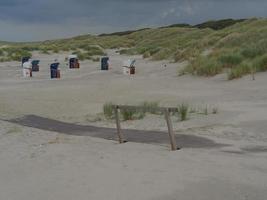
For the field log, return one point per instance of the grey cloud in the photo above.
(86, 16)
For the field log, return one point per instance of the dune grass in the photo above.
(183, 110)
(108, 110)
(232, 45)
(132, 114)
(150, 107)
(125, 114)
(239, 71)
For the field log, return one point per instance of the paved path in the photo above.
(149, 137)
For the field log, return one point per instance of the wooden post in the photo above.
(170, 130)
(118, 124)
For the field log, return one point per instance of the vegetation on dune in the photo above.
(183, 112)
(150, 107)
(241, 49)
(132, 113)
(108, 110)
(237, 46)
(13, 54)
(203, 66)
(239, 71)
(219, 24)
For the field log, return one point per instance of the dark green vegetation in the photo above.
(215, 25)
(219, 24)
(237, 47)
(183, 111)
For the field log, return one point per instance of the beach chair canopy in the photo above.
(72, 56)
(129, 63)
(132, 63)
(54, 66)
(105, 59)
(35, 62)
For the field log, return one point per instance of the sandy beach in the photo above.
(223, 155)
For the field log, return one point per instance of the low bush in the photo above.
(150, 107)
(230, 59)
(96, 59)
(261, 63)
(131, 114)
(127, 114)
(162, 54)
(252, 52)
(183, 111)
(255, 50)
(204, 66)
(239, 71)
(146, 54)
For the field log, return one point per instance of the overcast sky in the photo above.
(29, 20)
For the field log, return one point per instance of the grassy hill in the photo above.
(236, 46)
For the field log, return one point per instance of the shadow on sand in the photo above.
(149, 137)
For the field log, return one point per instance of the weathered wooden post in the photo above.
(117, 116)
(170, 130)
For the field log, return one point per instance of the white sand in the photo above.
(43, 165)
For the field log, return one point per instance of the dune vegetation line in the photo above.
(184, 111)
(234, 47)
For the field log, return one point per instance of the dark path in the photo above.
(150, 137)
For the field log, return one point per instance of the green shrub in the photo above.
(254, 50)
(127, 114)
(261, 64)
(81, 56)
(3, 60)
(96, 59)
(187, 54)
(55, 50)
(150, 107)
(204, 66)
(132, 114)
(162, 54)
(230, 59)
(123, 51)
(45, 51)
(146, 54)
(183, 111)
(16, 54)
(139, 114)
(154, 50)
(92, 51)
(108, 110)
(239, 71)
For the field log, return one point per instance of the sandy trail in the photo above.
(147, 137)
(43, 158)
